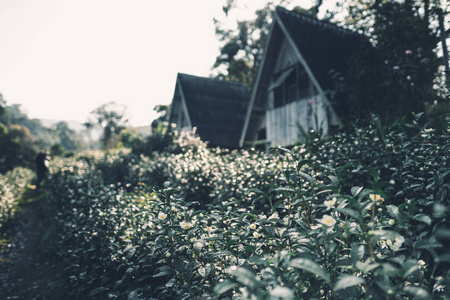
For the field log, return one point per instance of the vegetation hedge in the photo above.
(12, 185)
(361, 214)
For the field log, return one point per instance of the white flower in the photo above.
(256, 234)
(396, 244)
(162, 216)
(212, 236)
(210, 228)
(328, 220)
(376, 198)
(252, 226)
(274, 216)
(185, 225)
(330, 203)
(421, 264)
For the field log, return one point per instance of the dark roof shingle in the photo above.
(216, 107)
(325, 46)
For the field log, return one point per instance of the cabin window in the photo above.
(290, 85)
(304, 85)
(291, 88)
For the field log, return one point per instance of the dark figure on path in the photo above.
(41, 167)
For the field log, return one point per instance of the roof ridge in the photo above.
(214, 79)
(315, 21)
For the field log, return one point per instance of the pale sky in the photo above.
(61, 59)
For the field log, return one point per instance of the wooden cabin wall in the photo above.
(282, 122)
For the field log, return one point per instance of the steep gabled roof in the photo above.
(215, 107)
(319, 45)
(324, 46)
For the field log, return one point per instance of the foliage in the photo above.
(161, 123)
(111, 118)
(22, 137)
(242, 47)
(12, 185)
(362, 214)
(17, 148)
(394, 74)
(69, 139)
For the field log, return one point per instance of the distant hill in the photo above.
(96, 132)
(144, 130)
(74, 125)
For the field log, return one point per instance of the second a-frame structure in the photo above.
(303, 60)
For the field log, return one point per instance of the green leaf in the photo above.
(345, 263)
(372, 172)
(423, 218)
(224, 286)
(417, 292)
(309, 178)
(280, 149)
(351, 212)
(304, 162)
(270, 230)
(247, 214)
(346, 281)
(163, 271)
(409, 267)
(282, 292)
(366, 267)
(426, 244)
(309, 266)
(284, 189)
(393, 211)
(245, 276)
(258, 260)
(133, 295)
(259, 198)
(98, 290)
(357, 253)
(334, 180)
(345, 167)
(255, 190)
(356, 190)
(443, 234)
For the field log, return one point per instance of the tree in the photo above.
(394, 73)
(242, 47)
(17, 148)
(111, 118)
(162, 121)
(69, 139)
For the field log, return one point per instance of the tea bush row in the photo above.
(362, 214)
(12, 185)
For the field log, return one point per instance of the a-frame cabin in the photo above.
(302, 58)
(216, 108)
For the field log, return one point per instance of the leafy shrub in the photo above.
(12, 185)
(361, 215)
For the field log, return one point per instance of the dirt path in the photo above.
(25, 270)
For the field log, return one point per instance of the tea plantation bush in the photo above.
(361, 215)
(12, 185)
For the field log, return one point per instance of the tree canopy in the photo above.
(397, 71)
(111, 118)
